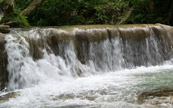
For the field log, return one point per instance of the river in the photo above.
(83, 68)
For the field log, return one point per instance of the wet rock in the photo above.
(156, 97)
(91, 35)
(35, 48)
(4, 29)
(3, 63)
(6, 97)
(2, 35)
(13, 24)
(134, 32)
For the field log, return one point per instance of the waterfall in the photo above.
(39, 54)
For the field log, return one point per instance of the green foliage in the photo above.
(22, 4)
(18, 19)
(21, 20)
(149, 11)
(73, 12)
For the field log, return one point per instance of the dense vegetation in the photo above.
(151, 11)
(72, 12)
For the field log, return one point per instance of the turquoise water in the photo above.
(159, 80)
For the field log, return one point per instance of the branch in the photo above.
(33, 6)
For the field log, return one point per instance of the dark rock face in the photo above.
(35, 48)
(3, 63)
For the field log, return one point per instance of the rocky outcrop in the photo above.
(4, 29)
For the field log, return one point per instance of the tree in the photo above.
(14, 17)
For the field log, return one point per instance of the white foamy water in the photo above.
(25, 72)
(111, 90)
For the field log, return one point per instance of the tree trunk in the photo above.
(34, 5)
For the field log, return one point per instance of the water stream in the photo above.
(87, 67)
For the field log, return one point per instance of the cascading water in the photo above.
(81, 67)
